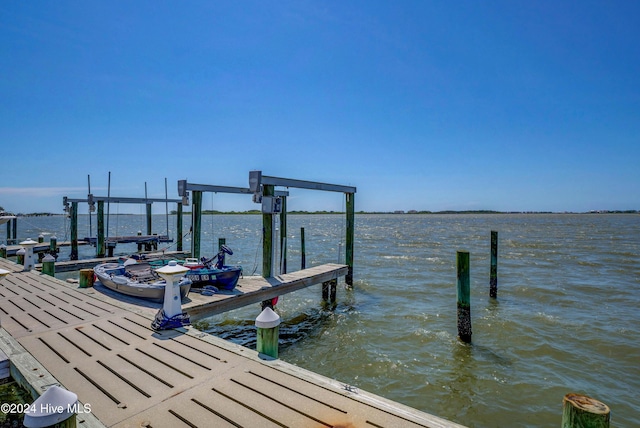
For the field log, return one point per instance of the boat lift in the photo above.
(71, 207)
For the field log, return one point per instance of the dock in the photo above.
(103, 349)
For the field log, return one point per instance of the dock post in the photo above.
(14, 227)
(493, 274)
(100, 240)
(54, 408)
(196, 223)
(303, 257)
(464, 296)
(73, 213)
(29, 259)
(283, 236)
(49, 265)
(86, 278)
(221, 242)
(9, 232)
(267, 236)
(3, 251)
(350, 238)
(149, 245)
(179, 227)
(268, 324)
(40, 239)
(139, 243)
(53, 246)
(171, 315)
(580, 411)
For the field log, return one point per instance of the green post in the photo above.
(74, 231)
(86, 278)
(350, 238)
(267, 236)
(179, 227)
(493, 274)
(40, 239)
(303, 258)
(53, 246)
(580, 411)
(268, 324)
(148, 246)
(20, 256)
(283, 236)
(100, 240)
(3, 251)
(196, 223)
(221, 242)
(49, 265)
(464, 296)
(14, 226)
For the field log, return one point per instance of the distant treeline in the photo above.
(216, 212)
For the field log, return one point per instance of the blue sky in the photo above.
(426, 105)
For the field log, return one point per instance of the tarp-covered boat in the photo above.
(136, 279)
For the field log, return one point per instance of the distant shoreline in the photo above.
(412, 212)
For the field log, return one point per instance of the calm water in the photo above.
(566, 318)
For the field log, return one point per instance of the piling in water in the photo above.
(580, 411)
(464, 296)
(303, 257)
(86, 278)
(493, 274)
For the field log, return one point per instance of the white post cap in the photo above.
(28, 242)
(49, 258)
(173, 268)
(55, 405)
(267, 319)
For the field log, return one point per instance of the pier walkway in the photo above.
(104, 350)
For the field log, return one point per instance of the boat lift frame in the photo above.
(71, 207)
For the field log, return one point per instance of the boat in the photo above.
(5, 218)
(203, 274)
(136, 279)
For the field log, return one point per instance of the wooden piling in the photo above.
(179, 229)
(580, 411)
(3, 251)
(268, 326)
(20, 256)
(73, 212)
(464, 296)
(14, 229)
(49, 265)
(283, 236)
(53, 246)
(40, 239)
(267, 235)
(221, 242)
(350, 238)
(148, 246)
(493, 274)
(86, 278)
(100, 241)
(303, 257)
(196, 223)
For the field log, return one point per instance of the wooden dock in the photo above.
(104, 350)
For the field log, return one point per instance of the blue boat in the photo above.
(203, 274)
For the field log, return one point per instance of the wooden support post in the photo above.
(303, 257)
(580, 411)
(3, 251)
(267, 236)
(283, 236)
(86, 278)
(493, 274)
(325, 291)
(179, 227)
(40, 239)
(464, 296)
(100, 240)
(268, 325)
(196, 223)
(149, 245)
(20, 256)
(14, 226)
(139, 243)
(221, 242)
(9, 232)
(350, 238)
(53, 246)
(74, 231)
(49, 265)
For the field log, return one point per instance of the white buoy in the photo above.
(54, 406)
(171, 274)
(29, 259)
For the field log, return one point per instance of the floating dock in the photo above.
(103, 349)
